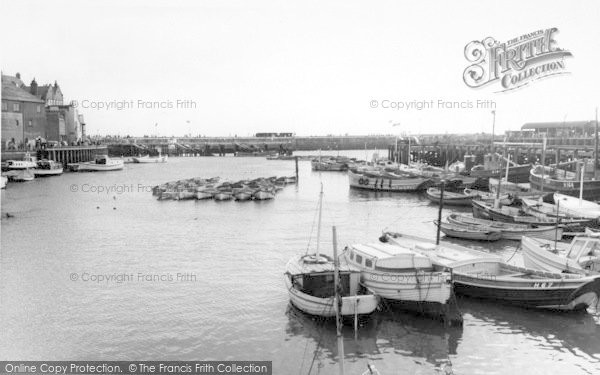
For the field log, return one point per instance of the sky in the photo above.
(308, 67)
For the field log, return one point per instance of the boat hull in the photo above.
(450, 198)
(142, 160)
(47, 172)
(362, 304)
(510, 231)
(591, 188)
(470, 234)
(360, 181)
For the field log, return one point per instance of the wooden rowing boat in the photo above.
(509, 231)
(450, 198)
(469, 232)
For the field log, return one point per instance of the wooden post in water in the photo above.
(439, 226)
(338, 303)
(296, 159)
(557, 223)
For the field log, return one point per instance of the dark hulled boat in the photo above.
(564, 182)
(494, 166)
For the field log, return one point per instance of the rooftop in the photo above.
(12, 92)
(558, 125)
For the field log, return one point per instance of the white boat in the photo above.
(400, 274)
(48, 168)
(223, 196)
(101, 163)
(243, 195)
(20, 175)
(580, 207)
(388, 181)
(581, 256)
(509, 231)
(3, 182)
(311, 283)
(27, 162)
(205, 194)
(148, 159)
(481, 275)
(262, 195)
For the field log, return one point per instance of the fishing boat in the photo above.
(450, 198)
(148, 159)
(400, 274)
(27, 162)
(309, 281)
(469, 232)
(580, 207)
(509, 231)
(581, 256)
(494, 166)
(538, 208)
(3, 182)
(505, 199)
(481, 275)
(484, 210)
(20, 175)
(101, 163)
(388, 181)
(312, 283)
(339, 163)
(48, 168)
(549, 179)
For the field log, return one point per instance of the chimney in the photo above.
(34, 88)
(18, 75)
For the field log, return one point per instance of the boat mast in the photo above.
(338, 303)
(319, 223)
(581, 182)
(596, 146)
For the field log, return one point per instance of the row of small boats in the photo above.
(213, 188)
(413, 271)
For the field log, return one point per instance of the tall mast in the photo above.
(319, 225)
(338, 303)
(596, 151)
(581, 182)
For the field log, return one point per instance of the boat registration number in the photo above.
(542, 285)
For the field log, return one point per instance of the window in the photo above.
(358, 259)
(16, 107)
(4, 106)
(30, 123)
(368, 263)
(39, 108)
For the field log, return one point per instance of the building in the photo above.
(23, 114)
(51, 94)
(560, 129)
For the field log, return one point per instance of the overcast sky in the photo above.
(309, 67)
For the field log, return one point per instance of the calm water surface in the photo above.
(237, 307)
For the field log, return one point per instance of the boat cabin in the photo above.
(386, 257)
(585, 250)
(317, 279)
(102, 159)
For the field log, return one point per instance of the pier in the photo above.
(64, 155)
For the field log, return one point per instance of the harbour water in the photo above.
(93, 275)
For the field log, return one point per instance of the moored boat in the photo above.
(509, 231)
(150, 159)
(548, 179)
(27, 162)
(480, 275)
(244, 195)
(309, 280)
(400, 274)
(450, 198)
(581, 256)
(580, 207)
(101, 163)
(505, 199)
(262, 195)
(494, 166)
(3, 182)
(339, 163)
(388, 181)
(20, 175)
(48, 168)
(223, 196)
(542, 209)
(469, 232)
(484, 210)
